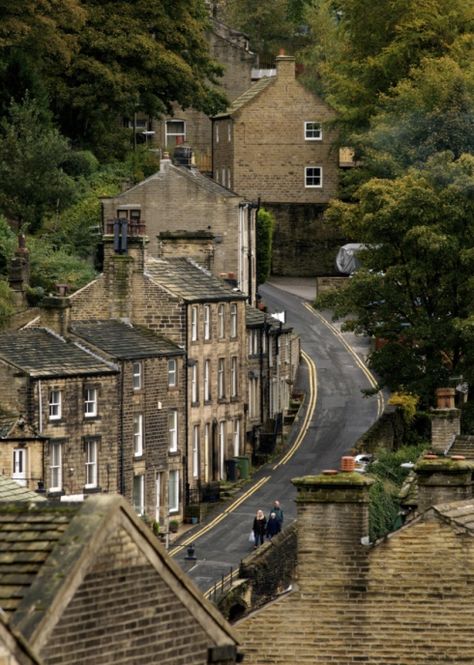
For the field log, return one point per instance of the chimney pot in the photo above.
(347, 463)
(445, 398)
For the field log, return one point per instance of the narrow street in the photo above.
(335, 414)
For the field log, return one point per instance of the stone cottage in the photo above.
(64, 433)
(276, 143)
(188, 214)
(407, 598)
(88, 583)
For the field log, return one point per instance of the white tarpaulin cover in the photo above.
(346, 259)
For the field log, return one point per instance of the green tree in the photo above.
(135, 56)
(415, 286)
(264, 239)
(360, 50)
(32, 181)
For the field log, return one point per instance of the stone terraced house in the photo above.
(188, 214)
(84, 583)
(63, 400)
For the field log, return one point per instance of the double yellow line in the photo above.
(312, 399)
(230, 509)
(362, 366)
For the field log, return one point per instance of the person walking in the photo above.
(277, 509)
(259, 528)
(273, 525)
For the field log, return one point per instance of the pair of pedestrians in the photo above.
(263, 527)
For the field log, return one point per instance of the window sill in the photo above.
(92, 490)
(173, 453)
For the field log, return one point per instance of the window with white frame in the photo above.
(221, 321)
(221, 378)
(207, 440)
(253, 397)
(137, 375)
(194, 383)
(287, 349)
(234, 375)
(236, 436)
(233, 320)
(228, 179)
(158, 486)
(55, 466)
(172, 373)
(270, 351)
(229, 131)
(175, 133)
(138, 435)
(313, 131)
(19, 465)
(90, 402)
(195, 451)
(173, 491)
(216, 134)
(207, 322)
(139, 493)
(221, 448)
(253, 342)
(264, 341)
(223, 176)
(207, 380)
(91, 462)
(173, 430)
(194, 323)
(54, 404)
(313, 176)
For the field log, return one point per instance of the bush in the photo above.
(50, 266)
(80, 163)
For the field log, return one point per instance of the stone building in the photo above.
(88, 583)
(230, 49)
(273, 360)
(151, 415)
(63, 401)
(188, 214)
(14, 650)
(407, 598)
(213, 334)
(275, 143)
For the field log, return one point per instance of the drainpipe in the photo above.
(186, 406)
(40, 408)
(121, 459)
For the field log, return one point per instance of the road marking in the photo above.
(360, 363)
(313, 396)
(230, 509)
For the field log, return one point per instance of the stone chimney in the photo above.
(333, 531)
(56, 313)
(124, 267)
(445, 420)
(165, 161)
(286, 68)
(442, 480)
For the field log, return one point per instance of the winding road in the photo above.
(335, 415)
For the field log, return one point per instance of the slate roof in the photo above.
(184, 278)
(255, 317)
(459, 513)
(28, 534)
(246, 96)
(40, 353)
(10, 490)
(124, 342)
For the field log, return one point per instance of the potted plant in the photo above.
(173, 526)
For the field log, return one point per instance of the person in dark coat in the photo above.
(259, 527)
(277, 509)
(273, 525)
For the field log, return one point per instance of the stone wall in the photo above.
(303, 245)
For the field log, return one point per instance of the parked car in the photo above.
(362, 461)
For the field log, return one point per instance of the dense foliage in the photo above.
(264, 240)
(389, 476)
(94, 63)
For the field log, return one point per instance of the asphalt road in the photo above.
(340, 416)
